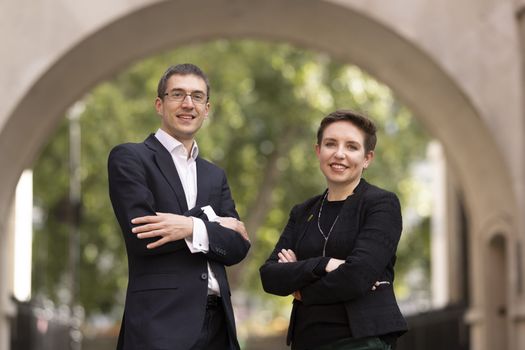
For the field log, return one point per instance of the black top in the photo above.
(365, 236)
(317, 325)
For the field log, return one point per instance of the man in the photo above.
(178, 295)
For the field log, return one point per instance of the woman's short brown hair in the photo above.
(360, 121)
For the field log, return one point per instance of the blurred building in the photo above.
(457, 64)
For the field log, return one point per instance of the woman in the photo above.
(336, 254)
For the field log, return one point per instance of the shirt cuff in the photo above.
(210, 213)
(198, 242)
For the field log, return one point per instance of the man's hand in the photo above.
(170, 227)
(235, 225)
(286, 256)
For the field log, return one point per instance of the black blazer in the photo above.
(167, 289)
(366, 236)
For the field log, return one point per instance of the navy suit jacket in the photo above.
(366, 237)
(167, 290)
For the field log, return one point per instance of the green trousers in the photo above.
(370, 343)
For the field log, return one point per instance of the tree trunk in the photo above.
(259, 208)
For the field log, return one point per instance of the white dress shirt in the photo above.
(186, 167)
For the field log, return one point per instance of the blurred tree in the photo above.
(267, 100)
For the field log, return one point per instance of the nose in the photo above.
(339, 153)
(187, 102)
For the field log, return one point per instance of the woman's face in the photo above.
(342, 155)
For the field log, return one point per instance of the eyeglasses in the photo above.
(179, 95)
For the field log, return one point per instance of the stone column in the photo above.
(517, 314)
(475, 316)
(7, 308)
(446, 238)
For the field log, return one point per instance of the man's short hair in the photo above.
(182, 69)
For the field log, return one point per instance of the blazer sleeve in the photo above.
(285, 278)
(374, 249)
(131, 198)
(227, 247)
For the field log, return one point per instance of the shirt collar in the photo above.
(172, 144)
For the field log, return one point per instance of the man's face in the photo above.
(182, 119)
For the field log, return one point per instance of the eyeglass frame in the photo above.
(190, 94)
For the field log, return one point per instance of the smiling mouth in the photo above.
(186, 116)
(338, 167)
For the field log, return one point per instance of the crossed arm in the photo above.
(288, 256)
(322, 280)
(170, 227)
(135, 203)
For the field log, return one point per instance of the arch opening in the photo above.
(421, 84)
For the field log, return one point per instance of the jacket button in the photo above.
(204, 276)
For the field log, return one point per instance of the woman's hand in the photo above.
(379, 283)
(333, 264)
(235, 225)
(286, 256)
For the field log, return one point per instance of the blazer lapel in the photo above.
(167, 168)
(308, 218)
(350, 206)
(203, 184)
(351, 203)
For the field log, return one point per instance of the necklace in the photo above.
(319, 224)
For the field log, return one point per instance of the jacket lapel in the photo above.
(203, 184)
(308, 217)
(350, 206)
(165, 163)
(351, 203)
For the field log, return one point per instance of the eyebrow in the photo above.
(192, 91)
(332, 139)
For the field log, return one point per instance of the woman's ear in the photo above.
(368, 159)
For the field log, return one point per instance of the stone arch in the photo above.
(340, 31)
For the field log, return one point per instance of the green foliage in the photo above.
(267, 100)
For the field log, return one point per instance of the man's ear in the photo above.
(206, 110)
(159, 106)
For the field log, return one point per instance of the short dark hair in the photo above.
(360, 121)
(182, 69)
